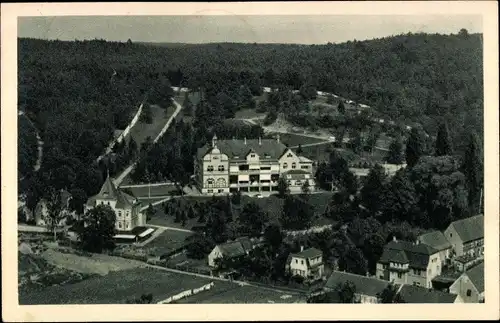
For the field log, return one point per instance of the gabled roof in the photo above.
(422, 295)
(435, 239)
(405, 252)
(470, 229)
(369, 286)
(237, 248)
(110, 192)
(237, 149)
(476, 276)
(308, 253)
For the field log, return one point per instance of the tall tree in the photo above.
(341, 107)
(395, 153)
(55, 210)
(273, 236)
(283, 189)
(414, 147)
(306, 188)
(346, 292)
(401, 201)
(472, 167)
(374, 189)
(97, 235)
(443, 144)
(252, 219)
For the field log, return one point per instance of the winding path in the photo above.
(40, 143)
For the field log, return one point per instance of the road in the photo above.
(127, 170)
(169, 228)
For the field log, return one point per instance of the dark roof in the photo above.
(470, 229)
(435, 239)
(308, 253)
(236, 149)
(422, 295)
(476, 275)
(296, 174)
(232, 249)
(110, 192)
(364, 285)
(405, 252)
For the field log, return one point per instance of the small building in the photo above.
(405, 262)
(307, 263)
(297, 177)
(367, 288)
(126, 207)
(41, 210)
(231, 250)
(421, 295)
(437, 240)
(470, 285)
(466, 236)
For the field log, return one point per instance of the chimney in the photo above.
(245, 140)
(394, 239)
(278, 138)
(260, 141)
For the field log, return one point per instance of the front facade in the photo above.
(466, 237)
(470, 285)
(249, 166)
(368, 289)
(413, 263)
(126, 207)
(307, 264)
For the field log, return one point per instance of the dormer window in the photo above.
(252, 155)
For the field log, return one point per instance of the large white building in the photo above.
(127, 208)
(250, 166)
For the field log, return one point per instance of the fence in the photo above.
(187, 293)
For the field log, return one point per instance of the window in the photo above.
(294, 165)
(221, 168)
(119, 214)
(210, 168)
(302, 262)
(296, 261)
(381, 276)
(252, 155)
(210, 191)
(210, 182)
(119, 225)
(304, 167)
(285, 165)
(215, 157)
(221, 191)
(469, 292)
(400, 275)
(450, 235)
(289, 155)
(108, 202)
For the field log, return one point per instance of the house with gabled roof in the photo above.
(367, 288)
(470, 285)
(238, 248)
(420, 295)
(438, 241)
(127, 208)
(466, 236)
(307, 263)
(405, 262)
(251, 166)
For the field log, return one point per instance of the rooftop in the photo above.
(476, 275)
(308, 253)
(422, 295)
(238, 149)
(369, 286)
(470, 229)
(110, 192)
(435, 239)
(405, 252)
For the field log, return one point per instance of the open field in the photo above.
(142, 130)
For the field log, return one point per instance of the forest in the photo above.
(78, 92)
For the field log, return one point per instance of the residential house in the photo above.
(404, 262)
(470, 285)
(249, 166)
(307, 263)
(367, 288)
(41, 210)
(421, 295)
(126, 207)
(467, 236)
(437, 240)
(231, 250)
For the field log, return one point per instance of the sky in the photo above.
(243, 29)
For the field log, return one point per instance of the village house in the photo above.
(231, 250)
(470, 285)
(421, 295)
(367, 288)
(126, 207)
(307, 263)
(404, 262)
(437, 240)
(466, 237)
(250, 166)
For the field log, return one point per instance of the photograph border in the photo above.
(12, 311)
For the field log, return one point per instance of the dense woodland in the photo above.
(78, 93)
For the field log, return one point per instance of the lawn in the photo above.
(160, 218)
(161, 190)
(166, 242)
(291, 139)
(142, 130)
(321, 153)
